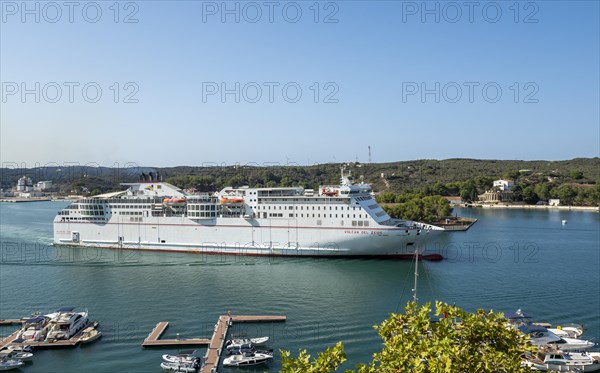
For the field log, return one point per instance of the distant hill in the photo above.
(394, 176)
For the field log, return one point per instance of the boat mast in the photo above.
(415, 299)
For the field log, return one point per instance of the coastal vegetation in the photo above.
(415, 206)
(414, 341)
(574, 182)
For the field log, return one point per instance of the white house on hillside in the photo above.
(504, 185)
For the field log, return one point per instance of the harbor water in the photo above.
(509, 259)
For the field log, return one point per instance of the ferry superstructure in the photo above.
(337, 220)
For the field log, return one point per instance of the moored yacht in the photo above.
(35, 328)
(65, 323)
(560, 361)
(541, 336)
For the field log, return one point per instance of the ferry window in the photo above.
(330, 215)
(313, 215)
(319, 215)
(354, 215)
(291, 215)
(336, 215)
(354, 223)
(319, 222)
(366, 223)
(360, 223)
(342, 223)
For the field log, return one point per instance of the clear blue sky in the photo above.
(377, 57)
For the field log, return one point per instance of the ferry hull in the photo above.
(245, 238)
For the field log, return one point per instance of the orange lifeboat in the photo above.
(174, 200)
(232, 200)
(329, 192)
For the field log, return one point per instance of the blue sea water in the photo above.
(510, 259)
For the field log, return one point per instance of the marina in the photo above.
(215, 344)
(485, 267)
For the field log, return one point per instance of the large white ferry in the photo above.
(340, 220)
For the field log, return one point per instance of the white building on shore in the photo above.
(24, 184)
(504, 185)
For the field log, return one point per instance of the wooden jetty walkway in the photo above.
(215, 344)
(11, 322)
(159, 329)
(6, 341)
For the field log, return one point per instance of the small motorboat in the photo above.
(20, 347)
(246, 359)
(259, 341)
(569, 331)
(559, 361)
(541, 336)
(9, 364)
(246, 342)
(238, 351)
(18, 355)
(179, 367)
(183, 357)
(89, 335)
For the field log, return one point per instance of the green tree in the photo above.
(511, 175)
(386, 197)
(440, 189)
(468, 191)
(543, 191)
(327, 361)
(529, 195)
(594, 194)
(576, 175)
(565, 193)
(458, 341)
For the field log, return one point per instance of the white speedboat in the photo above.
(541, 336)
(20, 347)
(16, 355)
(7, 363)
(568, 331)
(179, 367)
(559, 361)
(89, 335)
(246, 359)
(519, 318)
(238, 351)
(183, 357)
(259, 341)
(64, 323)
(246, 342)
